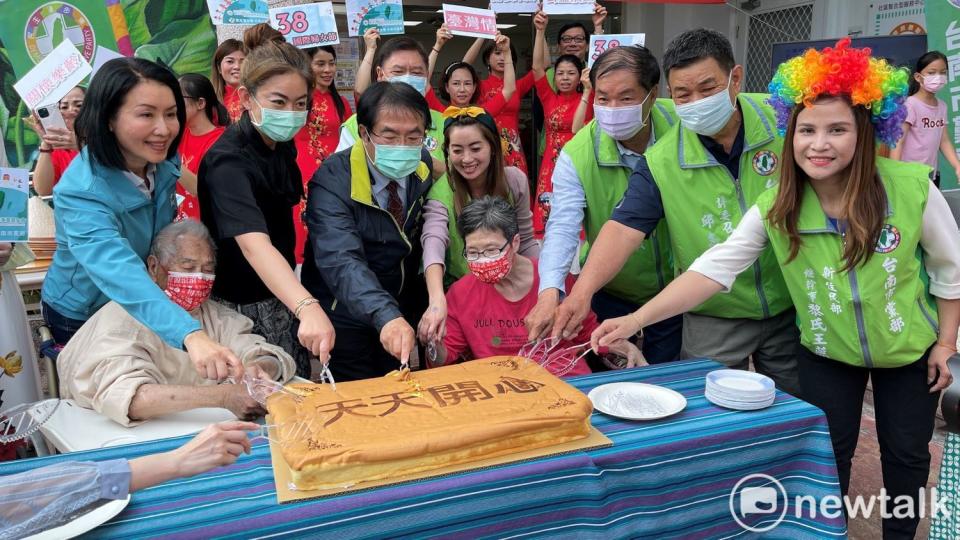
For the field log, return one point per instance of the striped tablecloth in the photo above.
(661, 479)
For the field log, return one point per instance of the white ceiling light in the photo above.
(505, 26)
(411, 23)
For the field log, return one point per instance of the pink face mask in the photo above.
(189, 289)
(933, 83)
(491, 270)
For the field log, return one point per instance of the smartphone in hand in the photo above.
(50, 117)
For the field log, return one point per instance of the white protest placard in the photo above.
(470, 22)
(602, 43)
(384, 15)
(103, 56)
(239, 12)
(306, 25)
(14, 192)
(514, 6)
(568, 7)
(54, 76)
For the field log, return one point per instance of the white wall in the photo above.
(661, 23)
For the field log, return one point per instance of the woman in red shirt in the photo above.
(225, 75)
(320, 136)
(58, 147)
(559, 109)
(206, 121)
(460, 85)
(494, 95)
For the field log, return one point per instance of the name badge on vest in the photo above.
(429, 143)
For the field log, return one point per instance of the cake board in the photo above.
(283, 479)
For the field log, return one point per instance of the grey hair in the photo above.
(637, 60)
(490, 214)
(164, 246)
(695, 45)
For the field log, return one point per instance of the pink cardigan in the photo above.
(435, 237)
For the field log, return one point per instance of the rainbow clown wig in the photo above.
(842, 71)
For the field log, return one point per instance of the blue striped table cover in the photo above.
(662, 479)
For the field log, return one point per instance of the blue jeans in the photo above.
(661, 341)
(62, 328)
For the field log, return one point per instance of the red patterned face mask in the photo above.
(491, 270)
(189, 289)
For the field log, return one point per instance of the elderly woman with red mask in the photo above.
(486, 307)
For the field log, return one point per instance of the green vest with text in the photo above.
(878, 314)
(432, 141)
(604, 177)
(703, 203)
(456, 264)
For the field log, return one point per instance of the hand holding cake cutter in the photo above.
(562, 361)
(326, 376)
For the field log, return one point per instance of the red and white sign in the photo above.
(470, 22)
(54, 76)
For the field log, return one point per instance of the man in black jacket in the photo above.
(364, 217)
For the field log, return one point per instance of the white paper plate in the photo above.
(740, 384)
(738, 405)
(637, 401)
(84, 523)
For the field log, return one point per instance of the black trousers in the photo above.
(905, 412)
(357, 354)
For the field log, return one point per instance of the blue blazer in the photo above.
(105, 226)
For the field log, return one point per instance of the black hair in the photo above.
(577, 63)
(442, 90)
(488, 50)
(387, 95)
(570, 26)
(334, 93)
(397, 44)
(922, 63)
(106, 94)
(637, 60)
(197, 86)
(695, 45)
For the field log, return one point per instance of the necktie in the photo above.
(394, 204)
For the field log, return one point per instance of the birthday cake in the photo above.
(402, 424)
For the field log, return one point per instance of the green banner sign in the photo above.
(30, 30)
(943, 34)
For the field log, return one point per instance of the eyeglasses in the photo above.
(396, 140)
(573, 39)
(489, 253)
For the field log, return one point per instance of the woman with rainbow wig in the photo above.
(854, 234)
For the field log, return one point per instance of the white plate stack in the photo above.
(740, 390)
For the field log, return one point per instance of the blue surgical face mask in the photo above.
(416, 81)
(707, 116)
(279, 126)
(396, 161)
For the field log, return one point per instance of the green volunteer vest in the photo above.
(455, 263)
(433, 141)
(878, 314)
(703, 203)
(604, 177)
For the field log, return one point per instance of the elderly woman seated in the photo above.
(486, 307)
(118, 367)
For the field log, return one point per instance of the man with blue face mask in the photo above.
(700, 178)
(589, 180)
(364, 219)
(400, 59)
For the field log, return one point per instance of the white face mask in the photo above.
(707, 116)
(621, 123)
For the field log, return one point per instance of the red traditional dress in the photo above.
(507, 115)
(317, 140)
(192, 148)
(231, 100)
(558, 112)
